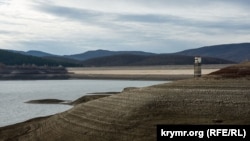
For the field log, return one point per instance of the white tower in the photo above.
(197, 66)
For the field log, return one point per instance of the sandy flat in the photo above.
(145, 70)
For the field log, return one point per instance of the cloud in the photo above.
(4, 2)
(161, 19)
(69, 12)
(6, 32)
(99, 18)
(159, 26)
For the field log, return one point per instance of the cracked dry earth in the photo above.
(133, 114)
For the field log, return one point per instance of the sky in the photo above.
(66, 27)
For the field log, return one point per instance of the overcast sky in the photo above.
(160, 26)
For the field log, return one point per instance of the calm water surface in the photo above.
(13, 94)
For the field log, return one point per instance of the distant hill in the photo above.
(12, 58)
(142, 60)
(62, 59)
(38, 53)
(218, 54)
(232, 52)
(102, 53)
(47, 56)
(33, 53)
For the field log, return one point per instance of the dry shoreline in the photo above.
(171, 72)
(134, 113)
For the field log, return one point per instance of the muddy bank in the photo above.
(83, 99)
(49, 101)
(130, 77)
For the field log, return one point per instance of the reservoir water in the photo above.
(13, 94)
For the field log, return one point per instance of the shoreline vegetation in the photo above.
(133, 114)
(32, 72)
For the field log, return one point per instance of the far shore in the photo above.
(166, 72)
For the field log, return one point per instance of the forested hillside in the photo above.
(11, 58)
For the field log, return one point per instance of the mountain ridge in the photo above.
(35, 53)
(140, 60)
(21, 59)
(223, 53)
(233, 52)
(236, 52)
(102, 53)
